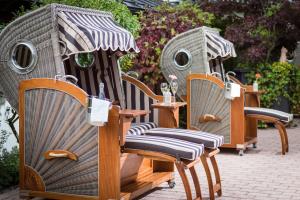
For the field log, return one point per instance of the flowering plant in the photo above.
(172, 77)
(257, 76)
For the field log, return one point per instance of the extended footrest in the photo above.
(276, 117)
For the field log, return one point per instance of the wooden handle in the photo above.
(209, 118)
(59, 154)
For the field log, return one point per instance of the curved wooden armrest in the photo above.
(126, 117)
(174, 105)
(51, 154)
(209, 118)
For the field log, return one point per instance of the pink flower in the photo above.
(172, 77)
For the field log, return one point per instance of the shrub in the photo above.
(121, 13)
(9, 165)
(158, 27)
(275, 81)
(266, 27)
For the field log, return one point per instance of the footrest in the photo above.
(282, 116)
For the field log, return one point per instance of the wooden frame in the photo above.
(123, 183)
(241, 134)
(244, 132)
(169, 118)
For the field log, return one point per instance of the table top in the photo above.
(169, 106)
(133, 113)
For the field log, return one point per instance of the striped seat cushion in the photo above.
(207, 139)
(139, 129)
(170, 146)
(282, 116)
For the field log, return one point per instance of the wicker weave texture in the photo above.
(56, 121)
(35, 27)
(210, 99)
(192, 42)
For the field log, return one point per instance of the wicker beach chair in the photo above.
(158, 124)
(196, 57)
(53, 61)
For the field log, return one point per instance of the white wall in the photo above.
(11, 141)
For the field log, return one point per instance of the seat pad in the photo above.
(282, 116)
(139, 129)
(208, 139)
(174, 147)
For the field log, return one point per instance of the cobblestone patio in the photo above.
(261, 174)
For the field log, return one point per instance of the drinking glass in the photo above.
(164, 87)
(174, 88)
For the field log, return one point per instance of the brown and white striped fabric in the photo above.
(216, 65)
(23, 56)
(135, 98)
(105, 69)
(207, 139)
(87, 32)
(140, 129)
(177, 148)
(282, 116)
(218, 46)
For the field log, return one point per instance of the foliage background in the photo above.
(158, 27)
(257, 28)
(120, 12)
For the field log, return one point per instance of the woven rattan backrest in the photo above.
(208, 99)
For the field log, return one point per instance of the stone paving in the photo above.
(261, 174)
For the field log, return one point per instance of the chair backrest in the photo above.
(205, 97)
(104, 69)
(53, 117)
(138, 96)
(216, 65)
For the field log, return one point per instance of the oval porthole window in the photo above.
(23, 57)
(182, 59)
(84, 60)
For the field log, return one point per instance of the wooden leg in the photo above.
(218, 187)
(185, 181)
(282, 137)
(196, 182)
(286, 138)
(209, 178)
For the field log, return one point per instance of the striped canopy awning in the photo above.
(218, 46)
(87, 32)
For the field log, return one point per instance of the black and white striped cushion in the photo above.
(136, 99)
(174, 147)
(209, 140)
(282, 116)
(139, 129)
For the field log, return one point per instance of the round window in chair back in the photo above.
(23, 57)
(182, 59)
(84, 60)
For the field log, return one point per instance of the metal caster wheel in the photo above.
(241, 152)
(254, 145)
(171, 184)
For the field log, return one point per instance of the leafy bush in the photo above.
(266, 27)
(275, 80)
(9, 165)
(294, 90)
(120, 12)
(158, 27)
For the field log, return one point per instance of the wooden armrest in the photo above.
(254, 92)
(127, 113)
(126, 117)
(51, 154)
(168, 106)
